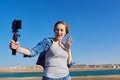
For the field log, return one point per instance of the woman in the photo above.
(58, 56)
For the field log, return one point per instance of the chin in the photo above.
(58, 38)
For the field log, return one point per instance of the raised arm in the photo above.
(68, 45)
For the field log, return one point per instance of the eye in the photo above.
(57, 29)
(62, 30)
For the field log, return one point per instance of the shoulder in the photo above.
(48, 40)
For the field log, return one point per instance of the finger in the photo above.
(17, 43)
(12, 41)
(70, 39)
(11, 45)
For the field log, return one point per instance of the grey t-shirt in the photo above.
(56, 62)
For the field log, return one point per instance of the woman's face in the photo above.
(60, 31)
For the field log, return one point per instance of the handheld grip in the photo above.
(16, 24)
(15, 37)
(13, 52)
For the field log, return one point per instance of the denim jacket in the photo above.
(40, 49)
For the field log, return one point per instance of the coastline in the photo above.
(113, 77)
(31, 69)
(40, 69)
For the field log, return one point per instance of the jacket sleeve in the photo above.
(71, 64)
(39, 48)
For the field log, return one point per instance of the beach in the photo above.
(73, 78)
(36, 69)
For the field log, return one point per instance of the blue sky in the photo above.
(94, 27)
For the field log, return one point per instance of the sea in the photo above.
(72, 74)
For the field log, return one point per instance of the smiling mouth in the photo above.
(59, 35)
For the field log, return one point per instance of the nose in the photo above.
(59, 31)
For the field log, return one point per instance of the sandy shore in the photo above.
(31, 69)
(73, 78)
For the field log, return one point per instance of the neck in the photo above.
(58, 42)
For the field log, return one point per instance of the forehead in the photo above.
(62, 26)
